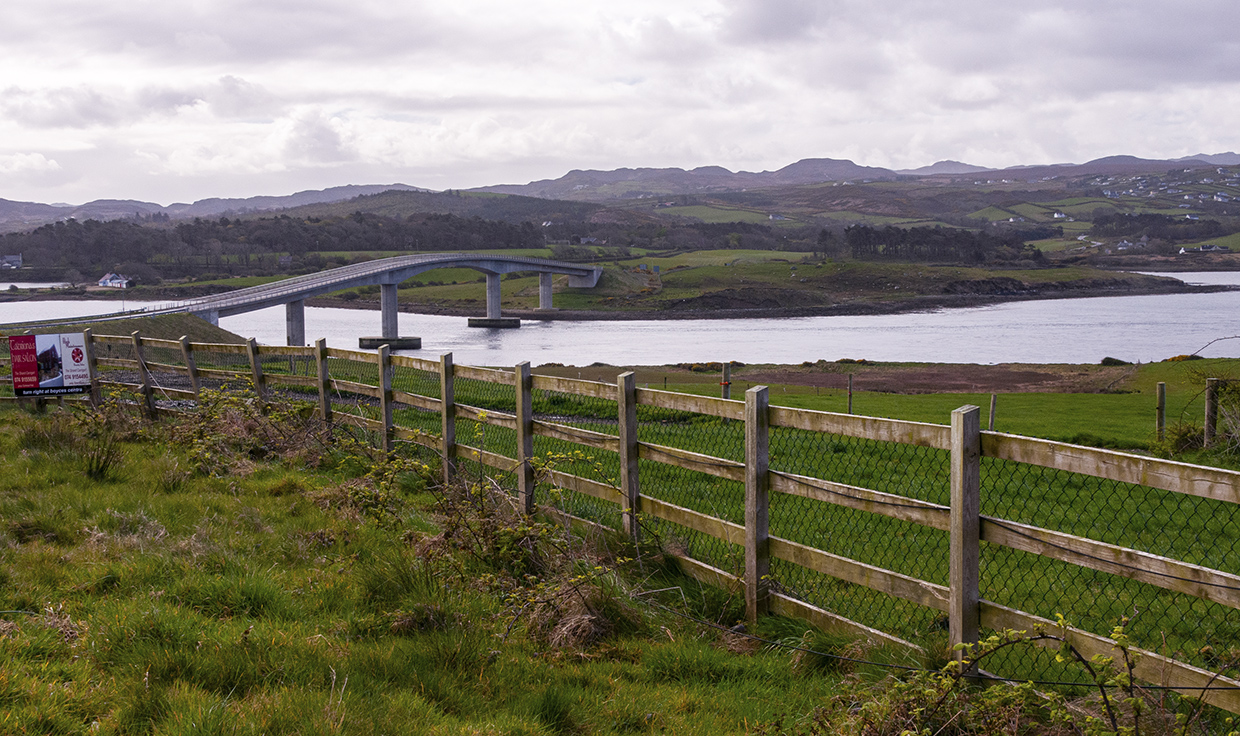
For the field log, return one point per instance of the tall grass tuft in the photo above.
(102, 457)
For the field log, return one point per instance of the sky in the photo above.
(179, 100)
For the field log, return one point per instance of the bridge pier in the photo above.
(389, 329)
(387, 308)
(210, 315)
(295, 322)
(493, 296)
(544, 291)
(493, 318)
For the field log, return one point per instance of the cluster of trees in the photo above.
(926, 244)
(224, 244)
(283, 244)
(1160, 227)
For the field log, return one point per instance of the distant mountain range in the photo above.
(605, 186)
(21, 215)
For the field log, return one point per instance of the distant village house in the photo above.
(116, 281)
(10, 262)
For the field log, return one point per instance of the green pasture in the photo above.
(718, 214)
(871, 219)
(277, 596)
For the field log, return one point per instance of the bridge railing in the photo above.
(908, 534)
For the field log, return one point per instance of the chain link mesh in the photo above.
(906, 471)
(1197, 530)
(421, 383)
(695, 490)
(491, 397)
(6, 369)
(588, 413)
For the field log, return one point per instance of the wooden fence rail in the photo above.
(371, 376)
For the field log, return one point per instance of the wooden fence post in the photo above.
(35, 404)
(525, 436)
(148, 393)
(1160, 421)
(92, 365)
(850, 393)
(447, 408)
(726, 381)
(630, 489)
(965, 551)
(994, 399)
(191, 365)
(757, 501)
(325, 381)
(385, 396)
(1211, 425)
(256, 371)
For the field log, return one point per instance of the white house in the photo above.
(116, 281)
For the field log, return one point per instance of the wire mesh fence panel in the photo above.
(415, 381)
(698, 491)
(166, 366)
(6, 370)
(288, 365)
(344, 401)
(237, 364)
(706, 494)
(921, 552)
(570, 412)
(427, 421)
(1200, 531)
(420, 383)
(490, 396)
(701, 433)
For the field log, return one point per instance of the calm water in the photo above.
(1144, 328)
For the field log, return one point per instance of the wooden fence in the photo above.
(429, 406)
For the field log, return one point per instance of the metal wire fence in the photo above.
(906, 471)
(579, 417)
(695, 460)
(1200, 531)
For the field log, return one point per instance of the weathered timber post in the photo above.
(630, 489)
(1160, 421)
(385, 396)
(1211, 424)
(148, 393)
(757, 501)
(447, 410)
(850, 393)
(965, 550)
(191, 365)
(726, 380)
(524, 385)
(256, 372)
(92, 365)
(994, 399)
(325, 381)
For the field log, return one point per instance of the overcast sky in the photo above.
(171, 100)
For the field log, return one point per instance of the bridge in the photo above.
(386, 273)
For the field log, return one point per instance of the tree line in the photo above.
(1160, 227)
(928, 244)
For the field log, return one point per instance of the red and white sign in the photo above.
(49, 365)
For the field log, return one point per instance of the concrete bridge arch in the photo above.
(387, 274)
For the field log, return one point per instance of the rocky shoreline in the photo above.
(725, 304)
(720, 309)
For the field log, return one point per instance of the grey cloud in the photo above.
(313, 140)
(772, 20)
(66, 107)
(236, 97)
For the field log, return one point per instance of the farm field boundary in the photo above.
(914, 534)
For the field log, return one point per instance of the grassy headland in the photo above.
(243, 574)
